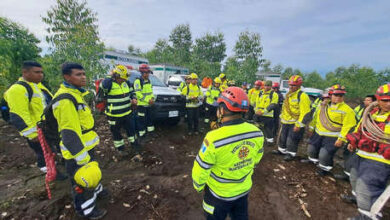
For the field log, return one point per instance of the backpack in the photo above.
(48, 122)
(4, 105)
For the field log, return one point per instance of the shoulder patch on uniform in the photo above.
(206, 142)
(203, 148)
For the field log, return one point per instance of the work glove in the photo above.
(353, 139)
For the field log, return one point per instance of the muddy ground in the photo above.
(160, 186)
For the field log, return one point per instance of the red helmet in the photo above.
(275, 85)
(295, 80)
(258, 83)
(144, 68)
(338, 89)
(383, 92)
(235, 99)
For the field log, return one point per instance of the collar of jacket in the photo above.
(233, 122)
(267, 92)
(67, 85)
(336, 105)
(296, 91)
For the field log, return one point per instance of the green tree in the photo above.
(278, 69)
(134, 50)
(73, 36)
(181, 40)
(17, 44)
(314, 80)
(162, 52)
(208, 53)
(266, 66)
(287, 73)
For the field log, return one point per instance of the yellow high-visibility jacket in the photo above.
(299, 103)
(339, 115)
(75, 125)
(181, 87)
(212, 95)
(193, 94)
(359, 111)
(227, 158)
(143, 91)
(266, 102)
(118, 98)
(25, 114)
(223, 86)
(252, 96)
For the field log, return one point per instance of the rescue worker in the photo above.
(252, 96)
(27, 99)
(295, 114)
(266, 103)
(224, 84)
(275, 87)
(212, 95)
(360, 108)
(120, 97)
(226, 160)
(78, 140)
(371, 172)
(144, 92)
(331, 123)
(194, 98)
(184, 84)
(244, 87)
(231, 83)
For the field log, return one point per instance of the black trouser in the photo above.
(289, 140)
(85, 201)
(193, 119)
(237, 209)
(36, 146)
(276, 121)
(211, 112)
(116, 124)
(322, 149)
(268, 125)
(349, 162)
(144, 120)
(250, 113)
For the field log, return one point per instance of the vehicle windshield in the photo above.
(175, 80)
(155, 81)
(285, 84)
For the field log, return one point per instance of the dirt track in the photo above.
(160, 186)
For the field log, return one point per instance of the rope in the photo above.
(325, 120)
(49, 159)
(370, 129)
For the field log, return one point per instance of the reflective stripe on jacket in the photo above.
(144, 91)
(299, 106)
(267, 104)
(118, 98)
(75, 126)
(25, 114)
(227, 158)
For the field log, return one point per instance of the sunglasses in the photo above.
(338, 95)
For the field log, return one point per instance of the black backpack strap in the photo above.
(271, 95)
(28, 88)
(60, 97)
(299, 96)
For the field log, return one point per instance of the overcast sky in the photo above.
(306, 34)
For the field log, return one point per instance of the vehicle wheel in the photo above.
(173, 121)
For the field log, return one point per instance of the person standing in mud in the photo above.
(27, 99)
(295, 114)
(194, 98)
(266, 103)
(331, 123)
(371, 142)
(120, 98)
(224, 165)
(78, 140)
